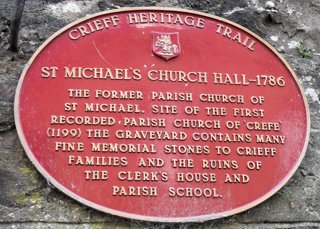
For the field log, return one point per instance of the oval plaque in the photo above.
(162, 115)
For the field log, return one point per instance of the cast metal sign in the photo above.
(162, 115)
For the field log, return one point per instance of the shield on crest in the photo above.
(166, 45)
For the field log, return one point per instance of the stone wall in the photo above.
(27, 200)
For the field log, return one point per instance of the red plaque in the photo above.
(162, 115)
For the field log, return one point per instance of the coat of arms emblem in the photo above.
(166, 45)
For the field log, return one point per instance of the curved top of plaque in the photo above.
(162, 114)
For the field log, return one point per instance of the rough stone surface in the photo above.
(28, 201)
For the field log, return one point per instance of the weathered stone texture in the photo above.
(28, 201)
